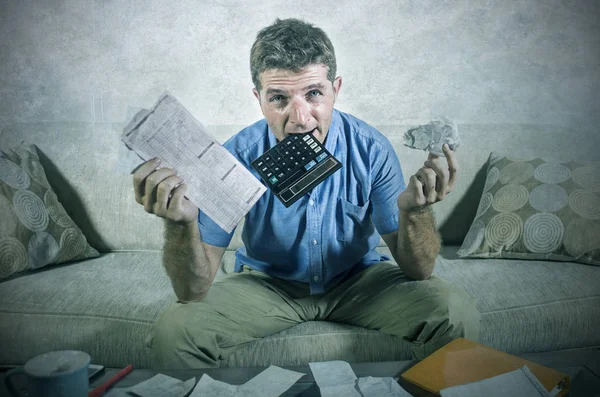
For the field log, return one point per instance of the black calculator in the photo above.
(294, 166)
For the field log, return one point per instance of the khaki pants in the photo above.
(244, 307)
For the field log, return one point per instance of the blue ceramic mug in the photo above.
(55, 374)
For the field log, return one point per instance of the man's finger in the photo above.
(152, 182)
(443, 177)
(452, 166)
(419, 196)
(163, 191)
(178, 197)
(140, 175)
(427, 177)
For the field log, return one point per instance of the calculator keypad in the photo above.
(299, 156)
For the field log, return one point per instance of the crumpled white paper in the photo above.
(431, 137)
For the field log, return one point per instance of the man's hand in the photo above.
(431, 183)
(162, 192)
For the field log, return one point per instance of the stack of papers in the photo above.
(518, 383)
(466, 368)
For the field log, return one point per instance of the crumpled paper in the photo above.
(431, 137)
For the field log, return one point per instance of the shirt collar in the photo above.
(334, 132)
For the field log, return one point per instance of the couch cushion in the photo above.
(35, 230)
(529, 306)
(106, 307)
(537, 209)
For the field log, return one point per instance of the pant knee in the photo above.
(450, 314)
(174, 345)
(167, 329)
(456, 307)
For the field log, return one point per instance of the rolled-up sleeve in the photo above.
(212, 233)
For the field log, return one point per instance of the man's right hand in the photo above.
(162, 193)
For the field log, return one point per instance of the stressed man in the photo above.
(317, 259)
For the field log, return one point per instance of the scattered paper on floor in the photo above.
(336, 379)
(163, 386)
(381, 387)
(272, 382)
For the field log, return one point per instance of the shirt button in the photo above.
(311, 202)
(316, 278)
(315, 242)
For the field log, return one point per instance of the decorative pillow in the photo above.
(35, 229)
(537, 209)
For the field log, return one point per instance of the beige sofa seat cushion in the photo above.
(529, 305)
(106, 306)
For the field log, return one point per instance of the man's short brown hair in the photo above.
(290, 44)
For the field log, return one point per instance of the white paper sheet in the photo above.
(332, 373)
(217, 182)
(335, 379)
(163, 386)
(381, 387)
(518, 383)
(208, 386)
(272, 382)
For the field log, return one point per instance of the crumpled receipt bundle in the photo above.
(431, 137)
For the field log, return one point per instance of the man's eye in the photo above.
(314, 93)
(276, 98)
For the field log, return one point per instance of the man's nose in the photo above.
(300, 112)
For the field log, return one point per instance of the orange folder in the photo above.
(464, 361)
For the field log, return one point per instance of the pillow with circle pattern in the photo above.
(35, 229)
(537, 209)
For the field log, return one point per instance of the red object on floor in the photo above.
(100, 390)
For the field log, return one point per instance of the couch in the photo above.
(107, 305)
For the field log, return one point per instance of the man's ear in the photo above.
(337, 85)
(256, 94)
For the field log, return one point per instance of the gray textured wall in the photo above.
(533, 61)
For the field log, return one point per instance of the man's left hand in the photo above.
(431, 183)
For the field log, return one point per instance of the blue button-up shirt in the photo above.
(331, 233)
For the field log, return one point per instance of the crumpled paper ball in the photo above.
(431, 137)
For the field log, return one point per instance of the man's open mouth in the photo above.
(309, 131)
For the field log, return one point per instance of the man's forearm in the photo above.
(418, 243)
(186, 262)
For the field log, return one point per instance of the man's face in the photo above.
(298, 102)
